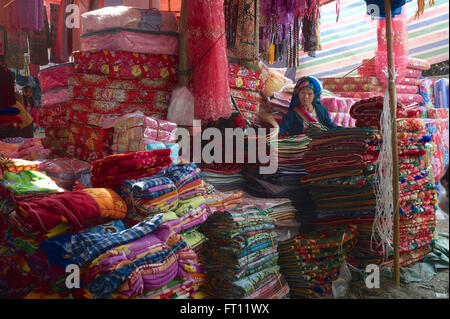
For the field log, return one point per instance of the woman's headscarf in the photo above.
(310, 82)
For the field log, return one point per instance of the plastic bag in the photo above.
(341, 285)
(181, 109)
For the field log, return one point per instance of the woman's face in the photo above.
(306, 96)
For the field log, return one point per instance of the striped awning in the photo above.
(354, 37)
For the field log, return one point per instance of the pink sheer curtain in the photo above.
(400, 47)
(205, 27)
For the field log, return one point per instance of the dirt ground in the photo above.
(438, 288)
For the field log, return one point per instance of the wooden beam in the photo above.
(394, 140)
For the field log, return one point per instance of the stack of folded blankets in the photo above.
(407, 86)
(177, 193)
(143, 133)
(222, 201)
(285, 182)
(53, 115)
(339, 163)
(246, 86)
(224, 177)
(113, 169)
(367, 112)
(241, 256)
(311, 261)
(10, 117)
(113, 77)
(418, 200)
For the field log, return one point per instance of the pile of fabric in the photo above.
(367, 112)
(438, 130)
(136, 132)
(114, 78)
(241, 256)
(245, 86)
(418, 202)
(177, 193)
(54, 112)
(224, 177)
(339, 163)
(130, 29)
(339, 109)
(407, 85)
(113, 169)
(24, 148)
(311, 261)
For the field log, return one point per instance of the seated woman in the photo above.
(305, 108)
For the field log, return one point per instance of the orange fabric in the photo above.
(109, 202)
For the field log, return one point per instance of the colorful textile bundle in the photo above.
(119, 64)
(53, 116)
(138, 133)
(178, 189)
(118, 82)
(177, 193)
(130, 29)
(112, 170)
(55, 104)
(418, 200)
(55, 77)
(89, 143)
(39, 214)
(311, 261)
(338, 163)
(219, 201)
(367, 112)
(27, 149)
(437, 129)
(401, 97)
(18, 165)
(241, 257)
(426, 87)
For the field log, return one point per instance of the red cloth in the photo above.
(43, 215)
(205, 27)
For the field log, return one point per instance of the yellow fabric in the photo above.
(26, 117)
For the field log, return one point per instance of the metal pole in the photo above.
(393, 107)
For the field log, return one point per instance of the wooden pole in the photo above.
(393, 108)
(183, 76)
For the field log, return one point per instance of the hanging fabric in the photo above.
(16, 46)
(39, 44)
(205, 32)
(27, 15)
(64, 34)
(401, 52)
(310, 27)
(242, 28)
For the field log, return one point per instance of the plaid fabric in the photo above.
(86, 247)
(104, 285)
(179, 173)
(141, 185)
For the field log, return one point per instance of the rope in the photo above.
(383, 222)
